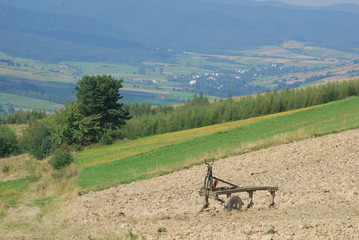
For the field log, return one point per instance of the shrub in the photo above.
(110, 136)
(61, 159)
(106, 139)
(38, 140)
(9, 144)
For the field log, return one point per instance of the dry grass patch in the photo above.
(25, 208)
(16, 167)
(282, 138)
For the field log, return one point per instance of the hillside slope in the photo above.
(54, 37)
(318, 198)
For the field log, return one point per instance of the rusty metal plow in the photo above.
(233, 202)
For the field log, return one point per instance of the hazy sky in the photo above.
(316, 2)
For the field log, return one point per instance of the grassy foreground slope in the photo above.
(129, 161)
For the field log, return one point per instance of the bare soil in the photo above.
(318, 198)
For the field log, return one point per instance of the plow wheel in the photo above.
(208, 182)
(234, 203)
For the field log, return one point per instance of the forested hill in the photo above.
(56, 37)
(124, 30)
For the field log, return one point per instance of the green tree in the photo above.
(38, 139)
(98, 105)
(199, 100)
(9, 144)
(69, 126)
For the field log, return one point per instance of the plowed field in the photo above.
(318, 198)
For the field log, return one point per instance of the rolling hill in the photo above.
(137, 30)
(55, 37)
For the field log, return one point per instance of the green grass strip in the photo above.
(129, 148)
(11, 191)
(13, 186)
(325, 119)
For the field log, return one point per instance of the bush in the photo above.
(110, 137)
(38, 140)
(106, 139)
(61, 159)
(9, 144)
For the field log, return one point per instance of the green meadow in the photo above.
(129, 161)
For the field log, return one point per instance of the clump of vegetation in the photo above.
(109, 137)
(61, 159)
(38, 140)
(271, 230)
(9, 145)
(161, 229)
(131, 235)
(5, 168)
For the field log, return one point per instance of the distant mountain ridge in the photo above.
(344, 7)
(134, 30)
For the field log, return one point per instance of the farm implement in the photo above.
(233, 202)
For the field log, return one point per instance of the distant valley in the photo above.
(168, 50)
(136, 30)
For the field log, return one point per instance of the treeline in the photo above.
(200, 112)
(9, 62)
(318, 77)
(23, 117)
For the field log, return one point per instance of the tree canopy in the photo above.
(91, 118)
(99, 96)
(96, 109)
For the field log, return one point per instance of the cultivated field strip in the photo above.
(128, 148)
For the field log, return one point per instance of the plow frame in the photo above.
(210, 190)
